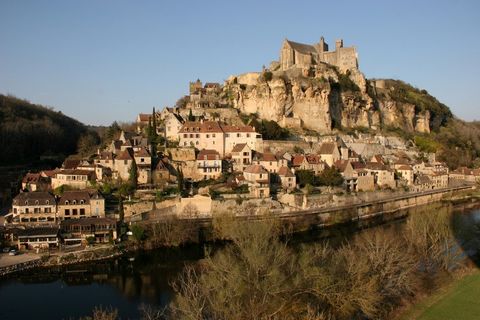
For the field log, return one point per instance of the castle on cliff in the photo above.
(294, 54)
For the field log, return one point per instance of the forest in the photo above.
(29, 132)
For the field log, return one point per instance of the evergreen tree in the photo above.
(133, 174)
(190, 116)
(180, 182)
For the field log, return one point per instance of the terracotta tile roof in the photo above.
(404, 168)
(239, 147)
(285, 172)
(48, 173)
(297, 160)
(205, 126)
(229, 128)
(256, 169)
(71, 163)
(212, 85)
(207, 154)
(75, 172)
(313, 159)
(142, 153)
(124, 155)
(341, 165)
(267, 157)
(31, 178)
(144, 117)
(88, 221)
(375, 166)
(31, 198)
(357, 165)
(105, 156)
(327, 148)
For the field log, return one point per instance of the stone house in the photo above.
(123, 163)
(311, 162)
(241, 134)
(163, 172)
(241, 157)
(384, 176)
(287, 178)
(329, 153)
(80, 204)
(212, 135)
(356, 178)
(209, 164)
(34, 208)
(464, 174)
(142, 121)
(269, 161)
(173, 124)
(37, 238)
(75, 178)
(102, 229)
(35, 182)
(143, 161)
(406, 172)
(202, 135)
(258, 180)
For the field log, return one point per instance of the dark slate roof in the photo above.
(327, 148)
(41, 231)
(32, 197)
(302, 48)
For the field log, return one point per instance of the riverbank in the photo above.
(178, 232)
(458, 299)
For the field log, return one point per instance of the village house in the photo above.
(356, 178)
(406, 172)
(80, 204)
(80, 230)
(258, 180)
(311, 162)
(163, 173)
(329, 153)
(34, 208)
(37, 238)
(464, 174)
(209, 164)
(143, 160)
(287, 178)
(241, 157)
(122, 164)
(35, 182)
(74, 178)
(212, 135)
(384, 176)
(142, 121)
(173, 125)
(269, 161)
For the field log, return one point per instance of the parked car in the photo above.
(13, 252)
(6, 250)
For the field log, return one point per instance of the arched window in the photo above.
(36, 202)
(74, 202)
(82, 202)
(66, 202)
(47, 202)
(26, 202)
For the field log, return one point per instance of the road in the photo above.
(7, 260)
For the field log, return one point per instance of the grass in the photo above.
(459, 300)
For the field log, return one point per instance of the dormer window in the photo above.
(74, 202)
(67, 202)
(26, 202)
(36, 202)
(47, 202)
(82, 202)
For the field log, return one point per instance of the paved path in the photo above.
(7, 260)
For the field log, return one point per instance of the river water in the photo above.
(127, 282)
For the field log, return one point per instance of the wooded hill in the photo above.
(29, 131)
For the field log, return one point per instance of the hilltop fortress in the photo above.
(312, 88)
(294, 54)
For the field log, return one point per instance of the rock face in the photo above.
(321, 99)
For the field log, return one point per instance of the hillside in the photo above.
(29, 131)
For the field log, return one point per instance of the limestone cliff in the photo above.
(323, 99)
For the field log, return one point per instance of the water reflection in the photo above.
(125, 283)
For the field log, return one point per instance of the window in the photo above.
(36, 202)
(74, 212)
(248, 135)
(82, 212)
(213, 135)
(82, 201)
(185, 135)
(14, 210)
(36, 210)
(238, 135)
(26, 210)
(47, 202)
(125, 161)
(208, 136)
(48, 210)
(67, 212)
(74, 202)
(197, 135)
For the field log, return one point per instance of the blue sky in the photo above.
(101, 61)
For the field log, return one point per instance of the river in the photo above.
(128, 282)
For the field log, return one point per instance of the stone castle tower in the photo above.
(294, 54)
